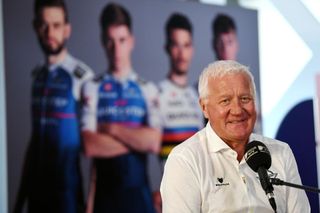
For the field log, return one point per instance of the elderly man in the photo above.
(207, 173)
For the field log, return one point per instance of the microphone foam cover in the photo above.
(257, 155)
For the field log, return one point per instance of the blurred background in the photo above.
(279, 41)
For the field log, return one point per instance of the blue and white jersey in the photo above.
(131, 101)
(181, 114)
(122, 183)
(55, 123)
(55, 97)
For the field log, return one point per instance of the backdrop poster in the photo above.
(22, 54)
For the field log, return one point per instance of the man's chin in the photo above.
(53, 52)
(50, 51)
(181, 71)
(241, 136)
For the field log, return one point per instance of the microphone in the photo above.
(258, 158)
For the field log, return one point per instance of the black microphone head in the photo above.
(257, 155)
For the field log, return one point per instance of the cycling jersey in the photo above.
(181, 113)
(56, 179)
(122, 183)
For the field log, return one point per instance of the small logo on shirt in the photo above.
(221, 182)
(107, 87)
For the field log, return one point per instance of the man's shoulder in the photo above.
(95, 80)
(147, 85)
(193, 146)
(271, 143)
(164, 85)
(82, 70)
(77, 68)
(192, 151)
(98, 78)
(144, 82)
(163, 82)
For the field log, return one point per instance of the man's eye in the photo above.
(245, 99)
(225, 101)
(123, 40)
(57, 25)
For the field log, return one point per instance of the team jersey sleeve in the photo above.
(151, 95)
(81, 74)
(89, 98)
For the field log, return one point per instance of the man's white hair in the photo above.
(219, 69)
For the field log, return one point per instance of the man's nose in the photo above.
(115, 49)
(236, 107)
(49, 31)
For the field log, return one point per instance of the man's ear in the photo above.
(67, 30)
(203, 105)
(133, 42)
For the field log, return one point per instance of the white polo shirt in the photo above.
(202, 174)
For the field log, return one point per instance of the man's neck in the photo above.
(54, 59)
(238, 147)
(179, 79)
(121, 73)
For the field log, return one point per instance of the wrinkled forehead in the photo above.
(230, 82)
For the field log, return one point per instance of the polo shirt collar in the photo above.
(215, 143)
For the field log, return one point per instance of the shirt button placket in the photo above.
(245, 186)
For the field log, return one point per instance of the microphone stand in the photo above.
(277, 181)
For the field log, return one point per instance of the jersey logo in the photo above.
(107, 87)
(79, 72)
